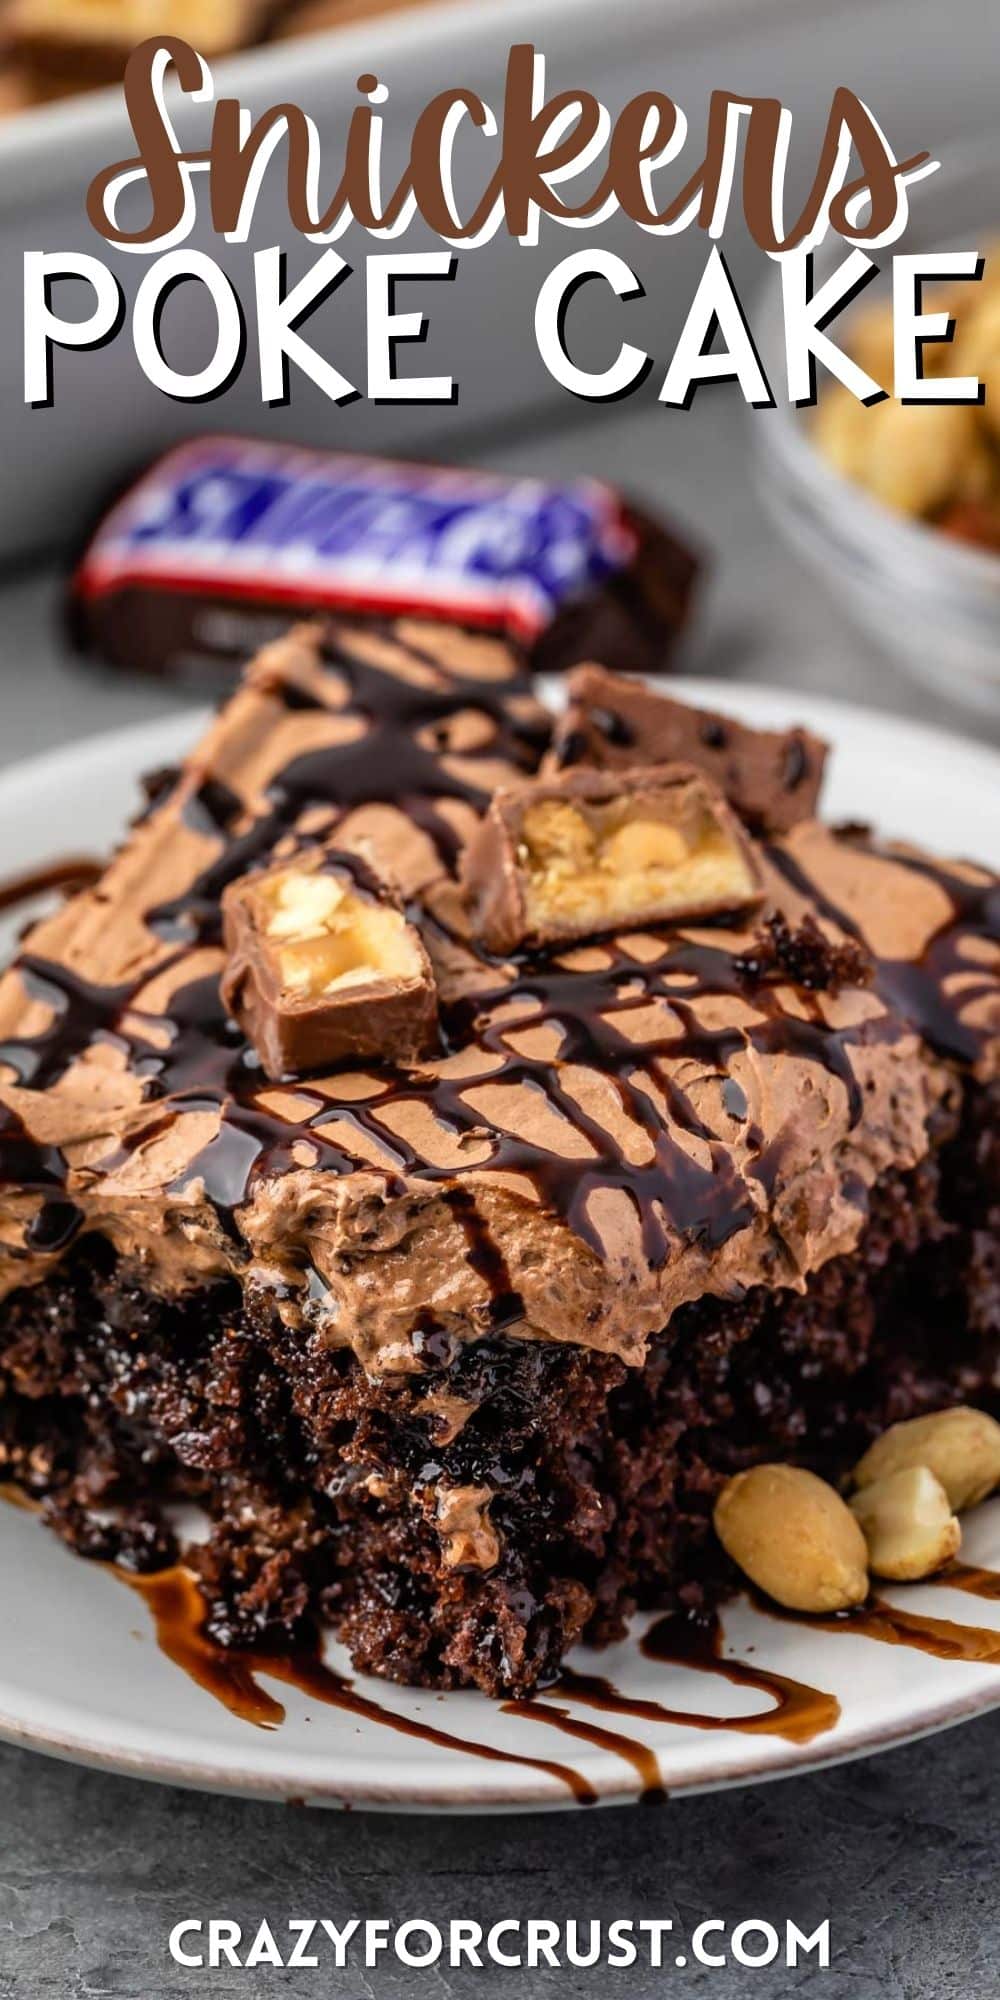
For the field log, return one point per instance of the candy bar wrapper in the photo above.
(224, 542)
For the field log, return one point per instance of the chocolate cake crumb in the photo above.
(804, 957)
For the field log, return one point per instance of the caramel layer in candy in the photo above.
(771, 777)
(588, 852)
(323, 967)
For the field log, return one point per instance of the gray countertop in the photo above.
(899, 1852)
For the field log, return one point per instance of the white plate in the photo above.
(80, 1673)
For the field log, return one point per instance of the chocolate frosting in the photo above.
(610, 1130)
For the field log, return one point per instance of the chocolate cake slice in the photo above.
(455, 1342)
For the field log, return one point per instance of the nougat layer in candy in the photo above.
(771, 777)
(587, 852)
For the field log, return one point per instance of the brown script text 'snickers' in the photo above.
(521, 181)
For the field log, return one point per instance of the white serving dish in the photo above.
(82, 1677)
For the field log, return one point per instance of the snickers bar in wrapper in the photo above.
(225, 541)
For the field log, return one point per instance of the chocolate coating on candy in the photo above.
(324, 968)
(771, 777)
(585, 853)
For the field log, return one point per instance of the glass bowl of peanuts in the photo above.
(897, 505)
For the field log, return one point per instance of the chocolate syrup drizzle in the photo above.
(178, 1612)
(69, 873)
(894, 1625)
(796, 1712)
(918, 989)
(405, 758)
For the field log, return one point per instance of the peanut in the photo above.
(644, 843)
(960, 1446)
(923, 458)
(555, 833)
(908, 1524)
(793, 1536)
(302, 905)
(914, 453)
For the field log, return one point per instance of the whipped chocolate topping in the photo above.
(610, 1130)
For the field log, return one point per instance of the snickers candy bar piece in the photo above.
(588, 852)
(323, 967)
(771, 777)
(224, 541)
